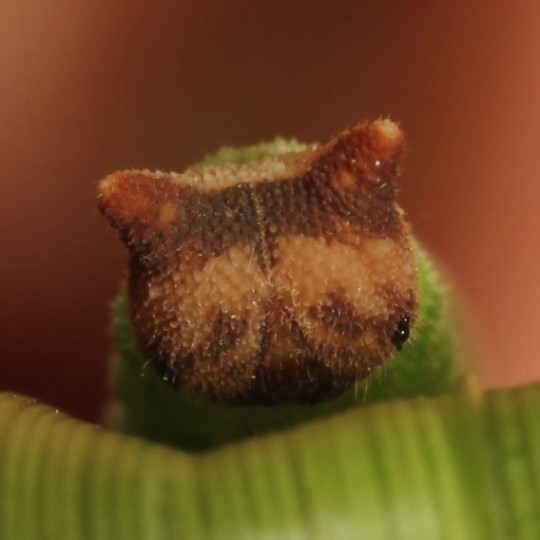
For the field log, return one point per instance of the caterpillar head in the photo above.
(283, 279)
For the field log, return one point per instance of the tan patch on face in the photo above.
(231, 283)
(310, 268)
(358, 274)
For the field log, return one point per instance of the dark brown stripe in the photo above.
(226, 332)
(340, 315)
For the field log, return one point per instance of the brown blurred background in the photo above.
(90, 87)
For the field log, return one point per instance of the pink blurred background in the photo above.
(90, 87)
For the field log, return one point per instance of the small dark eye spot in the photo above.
(402, 332)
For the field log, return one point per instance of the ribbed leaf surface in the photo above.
(448, 467)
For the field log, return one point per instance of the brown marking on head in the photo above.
(136, 202)
(340, 315)
(351, 181)
(288, 278)
(226, 331)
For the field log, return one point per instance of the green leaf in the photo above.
(445, 467)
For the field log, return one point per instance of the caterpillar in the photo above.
(283, 279)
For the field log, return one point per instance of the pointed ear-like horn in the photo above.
(142, 205)
(385, 146)
(367, 153)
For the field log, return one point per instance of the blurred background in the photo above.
(90, 87)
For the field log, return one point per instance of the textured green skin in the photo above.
(450, 465)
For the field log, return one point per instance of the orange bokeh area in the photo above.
(88, 88)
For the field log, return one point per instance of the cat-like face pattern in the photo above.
(283, 279)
